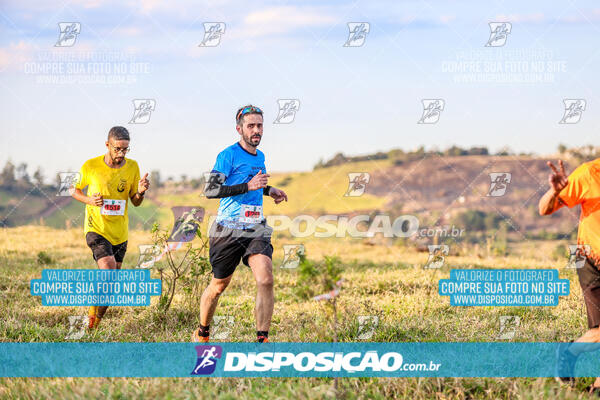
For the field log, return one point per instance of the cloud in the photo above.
(15, 55)
(521, 18)
(583, 16)
(537, 18)
(128, 31)
(281, 20)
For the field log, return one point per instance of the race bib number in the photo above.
(113, 207)
(251, 214)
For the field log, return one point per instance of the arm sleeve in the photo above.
(575, 191)
(267, 188)
(228, 191)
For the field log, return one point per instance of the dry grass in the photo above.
(383, 280)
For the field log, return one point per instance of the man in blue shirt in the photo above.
(240, 232)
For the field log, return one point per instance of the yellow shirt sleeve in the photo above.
(575, 191)
(136, 179)
(83, 177)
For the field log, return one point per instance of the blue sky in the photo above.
(352, 99)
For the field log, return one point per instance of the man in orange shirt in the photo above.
(582, 187)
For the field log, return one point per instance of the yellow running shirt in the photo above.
(584, 188)
(116, 185)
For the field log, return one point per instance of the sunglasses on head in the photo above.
(249, 109)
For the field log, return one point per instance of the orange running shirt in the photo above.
(584, 188)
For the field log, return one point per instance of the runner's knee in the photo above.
(265, 281)
(219, 287)
(107, 262)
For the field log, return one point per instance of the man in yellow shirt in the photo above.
(582, 187)
(111, 180)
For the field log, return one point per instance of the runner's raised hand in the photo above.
(558, 178)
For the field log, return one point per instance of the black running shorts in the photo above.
(589, 279)
(101, 247)
(228, 246)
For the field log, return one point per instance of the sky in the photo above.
(58, 102)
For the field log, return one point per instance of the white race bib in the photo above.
(113, 207)
(251, 214)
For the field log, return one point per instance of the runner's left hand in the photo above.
(143, 184)
(278, 195)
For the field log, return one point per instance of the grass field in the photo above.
(395, 287)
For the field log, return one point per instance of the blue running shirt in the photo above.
(239, 166)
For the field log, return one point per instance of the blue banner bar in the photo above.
(504, 287)
(95, 287)
(290, 359)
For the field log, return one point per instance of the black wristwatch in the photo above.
(266, 190)
(141, 194)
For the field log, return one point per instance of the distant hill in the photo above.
(437, 187)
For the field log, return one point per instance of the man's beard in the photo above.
(117, 159)
(250, 141)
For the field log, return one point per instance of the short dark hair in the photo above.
(239, 119)
(118, 133)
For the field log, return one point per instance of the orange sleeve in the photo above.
(575, 191)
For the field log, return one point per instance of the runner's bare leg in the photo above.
(210, 298)
(262, 268)
(107, 262)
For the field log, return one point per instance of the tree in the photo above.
(155, 181)
(319, 164)
(562, 148)
(7, 176)
(22, 175)
(192, 269)
(57, 181)
(455, 151)
(478, 151)
(38, 176)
